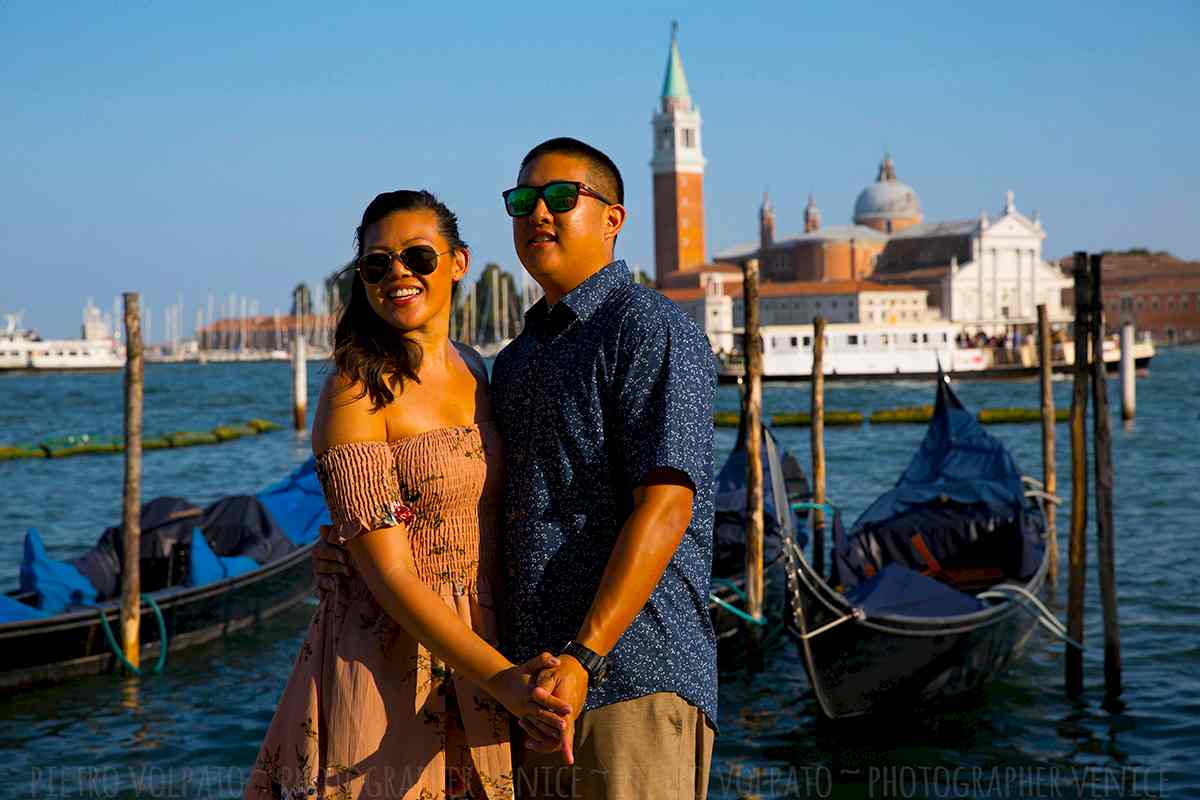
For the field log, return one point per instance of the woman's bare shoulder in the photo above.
(345, 415)
(473, 360)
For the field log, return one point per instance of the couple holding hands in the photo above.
(515, 583)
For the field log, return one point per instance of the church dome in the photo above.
(887, 198)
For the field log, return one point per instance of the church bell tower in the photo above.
(678, 168)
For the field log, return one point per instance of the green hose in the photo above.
(737, 612)
(162, 637)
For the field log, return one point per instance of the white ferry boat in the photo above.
(904, 350)
(25, 350)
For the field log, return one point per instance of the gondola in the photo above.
(934, 590)
(784, 484)
(262, 542)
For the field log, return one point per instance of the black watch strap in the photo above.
(595, 664)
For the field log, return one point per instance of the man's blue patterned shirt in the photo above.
(610, 383)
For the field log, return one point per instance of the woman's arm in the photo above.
(384, 560)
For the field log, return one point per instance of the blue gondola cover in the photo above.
(961, 501)
(59, 585)
(298, 504)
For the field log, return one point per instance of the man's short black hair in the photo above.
(601, 169)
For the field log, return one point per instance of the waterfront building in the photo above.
(1157, 292)
(984, 274)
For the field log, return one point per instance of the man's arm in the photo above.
(662, 511)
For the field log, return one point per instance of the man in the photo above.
(605, 405)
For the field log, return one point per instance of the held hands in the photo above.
(565, 682)
(545, 718)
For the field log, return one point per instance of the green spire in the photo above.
(675, 84)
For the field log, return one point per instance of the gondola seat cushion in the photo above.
(208, 567)
(59, 585)
(898, 590)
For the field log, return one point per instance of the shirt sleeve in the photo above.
(665, 403)
(361, 489)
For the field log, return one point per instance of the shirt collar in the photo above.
(588, 296)
(582, 301)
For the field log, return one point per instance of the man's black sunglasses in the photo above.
(560, 196)
(420, 259)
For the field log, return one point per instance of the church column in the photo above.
(1020, 286)
(979, 272)
(995, 285)
(1033, 279)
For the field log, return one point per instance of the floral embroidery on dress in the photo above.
(469, 448)
(395, 513)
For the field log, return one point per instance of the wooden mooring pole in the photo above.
(1049, 471)
(818, 444)
(131, 521)
(1105, 549)
(1128, 373)
(1078, 543)
(752, 346)
(299, 382)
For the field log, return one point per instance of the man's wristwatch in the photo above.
(595, 664)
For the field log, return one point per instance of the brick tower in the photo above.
(678, 167)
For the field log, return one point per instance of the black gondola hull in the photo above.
(863, 666)
(73, 645)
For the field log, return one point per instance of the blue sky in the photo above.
(214, 148)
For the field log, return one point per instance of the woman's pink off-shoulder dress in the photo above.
(367, 711)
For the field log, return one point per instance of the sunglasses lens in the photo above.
(374, 267)
(560, 196)
(520, 201)
(420, 259)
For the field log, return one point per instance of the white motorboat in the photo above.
(904, 350)
(99, 349)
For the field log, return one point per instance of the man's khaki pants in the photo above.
(658, 746)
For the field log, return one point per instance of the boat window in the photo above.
(807, 341)
(913, 337)
(852, 338)
(795, 341)
(883, 338)
(925, 338)
(945, 338)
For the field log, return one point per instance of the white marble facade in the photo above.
(1006, 279)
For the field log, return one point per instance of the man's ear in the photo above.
(462, 263)
(614, 220)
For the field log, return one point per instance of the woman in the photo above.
(399, 690)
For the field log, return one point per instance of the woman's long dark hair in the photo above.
(366, 349)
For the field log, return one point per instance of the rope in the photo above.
(737, 612)
(162, 637)
(1040, 495)
(1043, 615)
(826, 507)
(855, 613)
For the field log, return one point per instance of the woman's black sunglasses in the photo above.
(420, 259)
(560, 196)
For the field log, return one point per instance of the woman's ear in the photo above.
(462, 263)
